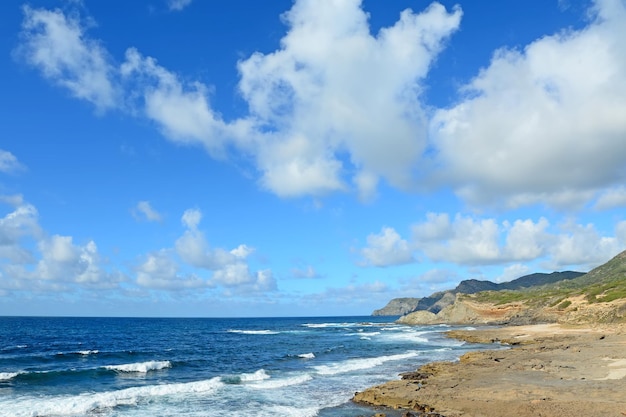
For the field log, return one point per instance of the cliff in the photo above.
(397, 307)
(439, 300)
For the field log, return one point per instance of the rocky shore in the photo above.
(550, 371)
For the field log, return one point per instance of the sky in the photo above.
(302, 158)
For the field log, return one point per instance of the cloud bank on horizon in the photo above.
(339, 110)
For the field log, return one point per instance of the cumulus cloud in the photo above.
(30, 259)
(337, 108)
(144, 210)
(20, 224)
(543, 124)
(465, 240)
(56, 44)
(386, 248)
(334, 107)
(163, 269)
(160, 271)
(9, 163)
(333, 87)
(582, 245)
(462, 240)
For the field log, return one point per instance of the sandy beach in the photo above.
(549, 371)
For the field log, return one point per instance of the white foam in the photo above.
(281, 382)
(310, 355)
(95, 403)
(286, 411)
(7, 376)
(253, 331)
(361, 333)
(407, 336)
(259, 375)
(88, 352)
(360, 364)
(325, 325)
(140, 367)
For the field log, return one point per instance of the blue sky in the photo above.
(245, 158)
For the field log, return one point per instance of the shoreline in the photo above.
(550, 370)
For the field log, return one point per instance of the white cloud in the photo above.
(15, 227)
(582, 246)
(160, 271)
(21, 222)
(611, 198)
(512, 272)
(9, 163)
(436, 279)
(144, 210)
(239, 275)
(191, 218)
(474, 241)
(31, 260)
(336, 107)
(163, 269)
(542, 124)
(178, 5)
(194, 249)
(464, 240)
(525, 239)
(183, 112)
(333, 88)
(386, 248)
(55, 43)
(333, 103)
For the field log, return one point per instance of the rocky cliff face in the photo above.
(397, 307)
(439, 300)
(467, 310)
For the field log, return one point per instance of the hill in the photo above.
(439, 300)
(596, 297)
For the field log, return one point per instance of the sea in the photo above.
(206, 367)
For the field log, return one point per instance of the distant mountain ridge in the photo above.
(597, 297)
(439, 300)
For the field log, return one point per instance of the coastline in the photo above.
(550, 370)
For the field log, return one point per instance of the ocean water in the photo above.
(131, 367)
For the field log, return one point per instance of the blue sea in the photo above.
(202, 367)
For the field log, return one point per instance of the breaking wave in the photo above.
(140, 367)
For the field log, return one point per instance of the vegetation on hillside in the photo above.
(603, 284)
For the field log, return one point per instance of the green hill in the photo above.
(603, 284)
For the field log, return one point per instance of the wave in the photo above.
(79, 353)
(7, 376)
(363, 334)
(351, 365)
(326, 325)
(140, 367)
(406, 336)
(310, 355)
(88, 352)
(97, 403)
(259, 375)
(281, 382)
(253, 331)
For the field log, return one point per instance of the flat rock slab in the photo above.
(550, 371)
